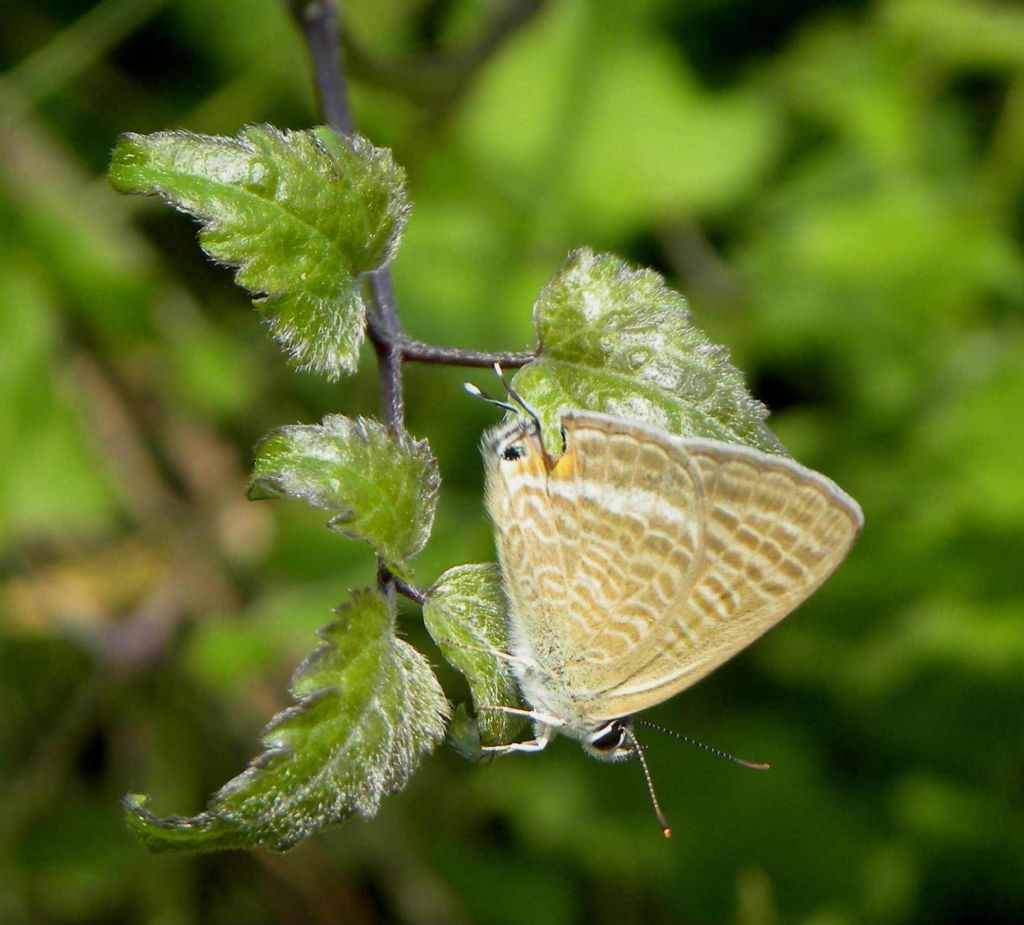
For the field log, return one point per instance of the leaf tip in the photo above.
(127, 158)
(205, 832)
(262, 489)
(464, 735)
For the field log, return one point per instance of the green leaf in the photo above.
(368, 707)
(302, 216)
(382, 488)
(618, 340)
(465, 615)
(464, 735)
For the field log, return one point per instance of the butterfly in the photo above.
(635, 562)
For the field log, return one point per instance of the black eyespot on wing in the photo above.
(510, 453)
(565, 442)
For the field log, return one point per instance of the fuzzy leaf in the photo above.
(368, 707)
(382, 489)
(618, 340)
(465, 614)
(464, 735)
(301, 215)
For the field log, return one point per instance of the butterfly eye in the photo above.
(608, 739)
(511, 453)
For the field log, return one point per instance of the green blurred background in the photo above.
(839, 190)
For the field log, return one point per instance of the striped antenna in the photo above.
(662, 821)
(754, 765)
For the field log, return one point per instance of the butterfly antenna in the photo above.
(658, 811)
(755, 765)
(517, 398)
(477, 392)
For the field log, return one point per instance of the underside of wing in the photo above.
(529, 547)
(627, 508)
(594, 548)
(772, 532)
(636, 563)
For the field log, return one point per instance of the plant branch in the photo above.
(319, 22)
(385, 334)
(414, 351)
(416, 595)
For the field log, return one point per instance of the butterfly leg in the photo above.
(546, 718)
(534, 745)
(545, 734)
(544, 731)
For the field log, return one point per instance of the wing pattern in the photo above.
(773, 531)
(639, 562)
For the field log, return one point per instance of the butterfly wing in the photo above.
(639, 562)
(591, 554)
(530, 549)
(770, 531)
(628, 511)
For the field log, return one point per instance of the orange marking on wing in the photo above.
(531, 463)
(565, 468)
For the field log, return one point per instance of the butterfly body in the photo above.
(636, 562)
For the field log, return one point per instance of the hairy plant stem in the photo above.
(320, 24)
(385, 333)
(414, 351)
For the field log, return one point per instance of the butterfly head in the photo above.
(520, 442)
(516, 445)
